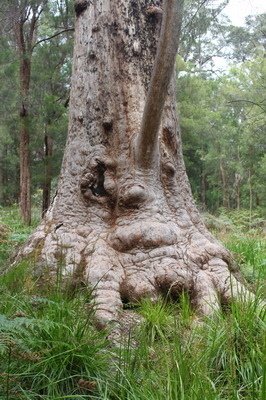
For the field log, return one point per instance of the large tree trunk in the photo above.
(123, 218)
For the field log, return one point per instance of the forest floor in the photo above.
(49, 348)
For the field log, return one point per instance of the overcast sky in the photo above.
(237, 10)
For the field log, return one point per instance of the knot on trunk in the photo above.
(80, 6)
(23, 111)
(98, 179)
(93, 182)
(132, 195)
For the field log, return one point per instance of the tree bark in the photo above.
(124, 230)
(24, 156)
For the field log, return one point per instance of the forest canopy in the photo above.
(221, 103)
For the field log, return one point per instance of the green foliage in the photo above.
(245, 42)
(243, 219)
(16, 231)
(203, 21)
(223, 134)
(222, 113)
(48, 96)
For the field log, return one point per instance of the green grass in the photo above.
(47, 345)
(49, 348)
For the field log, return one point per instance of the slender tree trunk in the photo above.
(238, 179)
(123, 218)
(238, 190)
(48, 152)
(238, 197)
(226, 202)
(25, 180)
(25, 194)
(203, 189)
(250, 196)
(24, 85)
(24, 23)
(237, 185)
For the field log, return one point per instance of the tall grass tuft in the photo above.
(49, 347)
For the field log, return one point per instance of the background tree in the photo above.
(50, 47)
(24, 17)
(222, 115)
(244, 43)
(204, 32)
(51, 82)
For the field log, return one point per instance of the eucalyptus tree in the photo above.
(245, 42)
(123, 220)
(50, 94)
(28, 28)
(20, 20)
(204, 32)
(223, 118)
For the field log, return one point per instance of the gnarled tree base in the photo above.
(135, 259)
(123, 221)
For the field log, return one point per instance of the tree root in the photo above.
(127, 264)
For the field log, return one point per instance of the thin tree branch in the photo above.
(247, 101)
(53, 36)
(147, 140)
